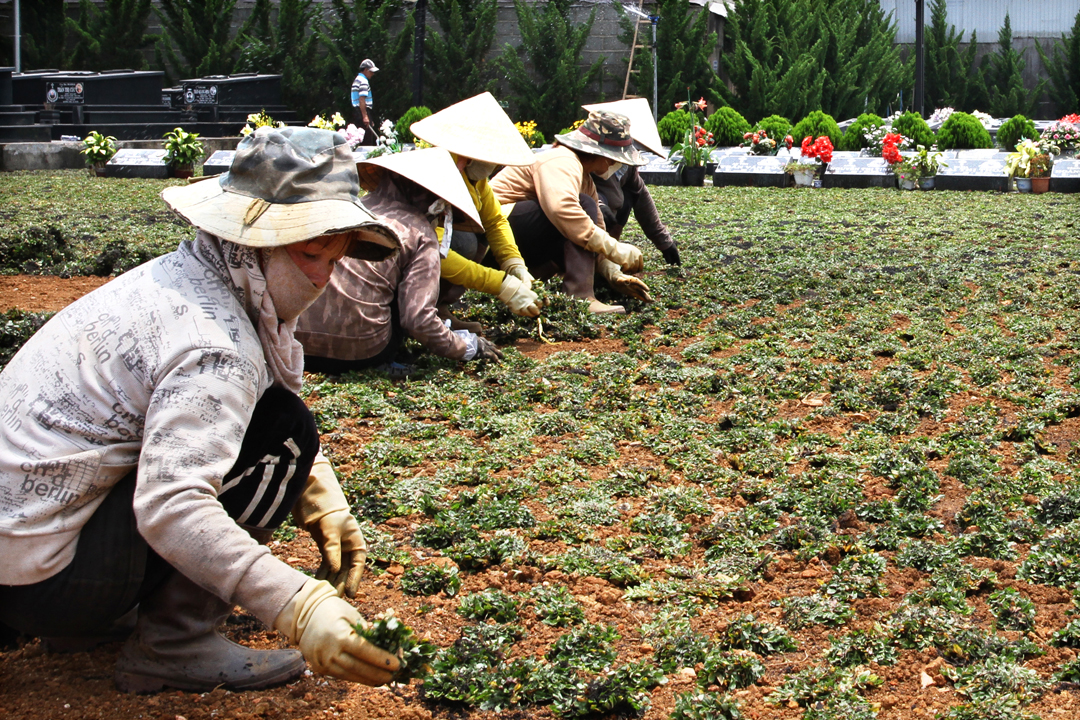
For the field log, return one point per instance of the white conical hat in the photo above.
(642, 126)
(430, 168)
(476, 128)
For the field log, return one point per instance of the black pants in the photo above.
(114, 569)
(615, 219)
(540, 242)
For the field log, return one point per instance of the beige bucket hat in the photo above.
(431, 168)
(285, 186)
(607, 134)
(476, 128)
(642, 126)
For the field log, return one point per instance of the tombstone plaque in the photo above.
(659, 171)
(219, 162)
(851, 171)
(1065, 177)
(751, 171)
(129, 163)
(973, 173)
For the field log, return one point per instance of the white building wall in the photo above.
(1029, 18)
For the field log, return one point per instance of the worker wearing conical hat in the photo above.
(625, 191)
(481, 137)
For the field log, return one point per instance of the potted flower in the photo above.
(816, 155)
(98, 149)
(759, 143)
(695, 150)
(1041, 167)
(1064, 135)
(1018, 164)
(920, 169)
(182, 151)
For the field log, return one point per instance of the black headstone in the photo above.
(1065, 177)
(129, 163)
(659, 171)
(751, 170)
(246, 89)
(5, 86)
(849, 170)
(984, 171)
(219, 162)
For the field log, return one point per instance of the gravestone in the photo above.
(1065, 177)
(219, 162)
(129, 163)
(973, 172)
(5, 86)
(659, 171)
(980, 154)
(849, 170)
(751, 171)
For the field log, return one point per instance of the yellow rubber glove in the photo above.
(519, 297)
(516, 267)
(324, 512)
(624, 255)
(321, 623)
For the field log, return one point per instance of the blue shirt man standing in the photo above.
(361, 101)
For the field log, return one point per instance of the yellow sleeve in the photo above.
(496, 228)
(461, 271)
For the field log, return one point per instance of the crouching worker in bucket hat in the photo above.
(153, 439)
(369, 307)
(553, 209)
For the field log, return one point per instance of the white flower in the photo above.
(247, 129)
(337, 120)
(986, 120)
(253, 118)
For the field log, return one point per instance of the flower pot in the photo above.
(1023, 185)
(906, 184)
(1040, 185)
(803, 178)
(693, 176)
(926, 184)
(99, 168)
(181, 171)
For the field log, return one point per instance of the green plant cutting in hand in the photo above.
(398, 639)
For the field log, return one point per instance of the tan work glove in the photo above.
(321, 623)
(519, 297)
(624, 255)
(324, 512)
(516, 267)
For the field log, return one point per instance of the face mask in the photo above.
(611, 171)
(289, 288)
(477, 171)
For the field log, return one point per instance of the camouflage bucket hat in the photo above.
(642, 126)
(604, 133)
(285, 186)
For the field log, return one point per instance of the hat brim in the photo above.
(642, 126)
(208, 206)
(626, 154)
(431, 168)
(476, 128)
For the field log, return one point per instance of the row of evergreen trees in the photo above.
(785, 57)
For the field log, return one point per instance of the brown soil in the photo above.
(35, 685)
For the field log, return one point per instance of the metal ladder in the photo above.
(634, 47)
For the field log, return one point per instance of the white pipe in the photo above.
(18, 40)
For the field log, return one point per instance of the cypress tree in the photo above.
(43, 34)
(1063, 67)
(1002, 76)
(360, 29)
(457, 66)
(683, 45)
(198, 38)
(289, 46)
(947, 70)
(110, 38)
(545, 75)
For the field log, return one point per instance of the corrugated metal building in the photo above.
(1029, 18)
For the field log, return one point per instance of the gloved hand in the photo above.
(624, 255)
(486, 350)
(672, 255)
(321, 623)
(519, 297)
(516, 267)
(324, 512)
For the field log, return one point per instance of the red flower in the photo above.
(747, 135)
(823, 149)
(891, 154)
(1072, 119)
(701, 104)
(807, 147)
(789, 141)
(893, 138)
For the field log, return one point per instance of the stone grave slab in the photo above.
(129, 163)
(848, 170)
(1065, 177)
(659, 171)
(219, 162)
(973, 173)
(751, 171)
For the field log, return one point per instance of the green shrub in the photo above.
(1014, 130)
(673, 126)
(911, 125)
(815, 125)
(727, 127)
(405, 122)
(777, 126)
(963, 132)
(853, 137)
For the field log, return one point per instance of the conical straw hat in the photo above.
(431, 168)
(476, 128)
(642, 126)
